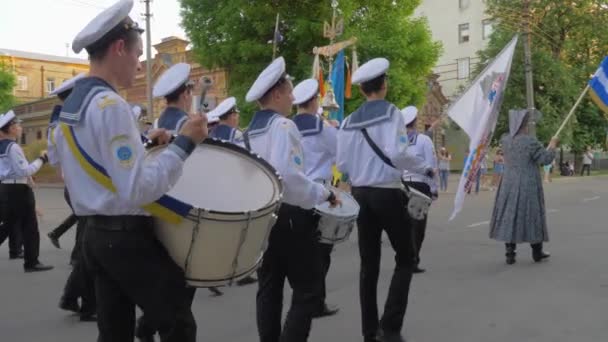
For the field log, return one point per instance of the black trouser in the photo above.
(292, 253)
(586, 167)
(15, 241)
(131, 267)
(19, 212)
(380, 209)
(80, 282)
(419, 226)
(325, 256)
(68, 222)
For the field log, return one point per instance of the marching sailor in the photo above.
(227, 115)
(372, 146)
(175, 86)
(17, 199)
(319, 144)
(101, 155)
(421, 146)
(292, 246)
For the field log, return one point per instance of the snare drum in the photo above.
(235, 195)
(337, 223)
(418, 203)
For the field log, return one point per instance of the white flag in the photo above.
(476, 112)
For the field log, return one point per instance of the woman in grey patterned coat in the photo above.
(519, 210)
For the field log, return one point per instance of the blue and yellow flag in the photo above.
(598, 86)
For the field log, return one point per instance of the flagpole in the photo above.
(274, 39)
(580, 98)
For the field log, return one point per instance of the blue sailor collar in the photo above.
(370, 113)
(308, 124)
(170, 117)
(83, 93)
(55, 115)
(412, 137)
(261, 122)
(223, 132)
(5, 145)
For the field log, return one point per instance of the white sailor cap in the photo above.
(7, 118)
(109, 24)
(370, 70)
(175, 77)
(67, 85)
(225, 107)
(266, 80)
(305, 91)
(409, 114)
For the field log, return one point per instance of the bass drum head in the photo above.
(223, 177)
(349, 207)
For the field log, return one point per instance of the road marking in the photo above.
(591, 199)
(478, 224)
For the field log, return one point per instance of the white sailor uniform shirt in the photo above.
(50, 138)
(277, 140)
(172, 119)
(385, 126)
(103, 126)
(14, 167)
(319, 144)
(422, 147)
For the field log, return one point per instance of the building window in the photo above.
(463, 4)
(21, 82)
(39, 135)
(464, 68)
(23, 139)
(463, 33)
(50, 84)
(487, 28)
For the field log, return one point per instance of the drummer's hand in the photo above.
(196, 128)
(335, 203)
(160, 136)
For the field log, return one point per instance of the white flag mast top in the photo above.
(476, 112)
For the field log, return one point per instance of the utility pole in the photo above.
(528, 69)
(147, 15)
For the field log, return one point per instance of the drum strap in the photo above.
(377, 149)
(380, 154)
(166, 208)
(246, 140)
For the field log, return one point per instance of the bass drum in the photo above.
(236, 196)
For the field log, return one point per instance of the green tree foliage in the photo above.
(568, 44)
(235, 34)
(7, 83)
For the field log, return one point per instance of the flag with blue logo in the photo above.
(598, 86)
(337, 81)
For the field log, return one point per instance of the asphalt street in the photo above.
(468, 293)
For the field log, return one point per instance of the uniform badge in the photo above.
(297, 159)
(123, 151)
(106, 101)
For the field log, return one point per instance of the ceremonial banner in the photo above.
(476, 112)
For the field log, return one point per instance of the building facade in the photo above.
(37, 74)
(463, 27)
(36, 114)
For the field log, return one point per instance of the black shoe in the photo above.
(54, 240)
(216, 292)
(38, 268)
(69, 305)
(418, 270)
(510, 254)
(146, 339)
(326, 311)
(19, 255)
(540, 256)
(246, 281)
(537, 252)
